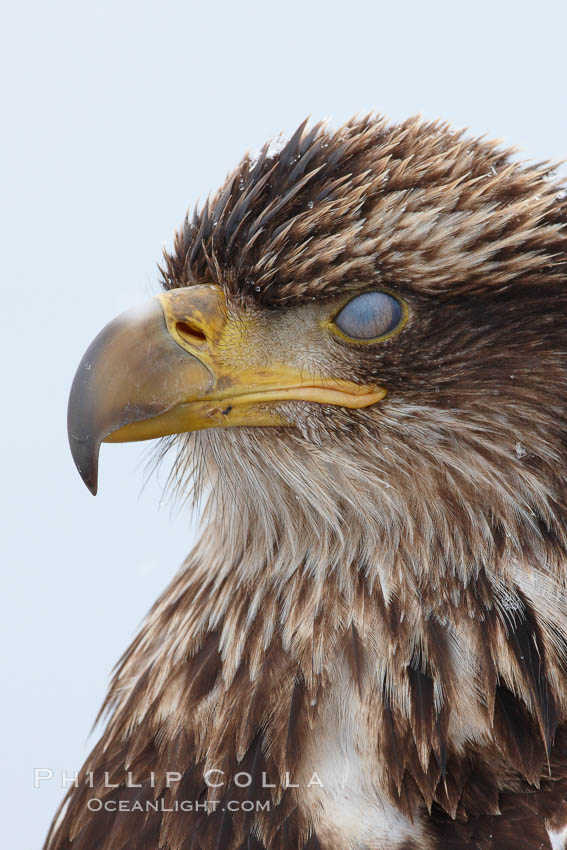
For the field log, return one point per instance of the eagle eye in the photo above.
(370, 316)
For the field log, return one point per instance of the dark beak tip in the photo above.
(90, 480)
(85, 454)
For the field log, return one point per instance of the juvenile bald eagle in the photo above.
(360, 354)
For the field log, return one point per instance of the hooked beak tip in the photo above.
(85, 454)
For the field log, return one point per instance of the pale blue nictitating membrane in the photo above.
(370, 315)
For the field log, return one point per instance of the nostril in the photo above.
(190, 332)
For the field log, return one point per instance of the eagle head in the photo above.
(361, 339)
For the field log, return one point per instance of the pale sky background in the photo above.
(117, 116)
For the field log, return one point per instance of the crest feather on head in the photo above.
(414, 204)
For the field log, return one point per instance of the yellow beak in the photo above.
(182, 363)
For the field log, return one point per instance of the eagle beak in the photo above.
(182, 363)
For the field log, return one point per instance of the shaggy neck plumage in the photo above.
(418, 572)
(429, 497)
